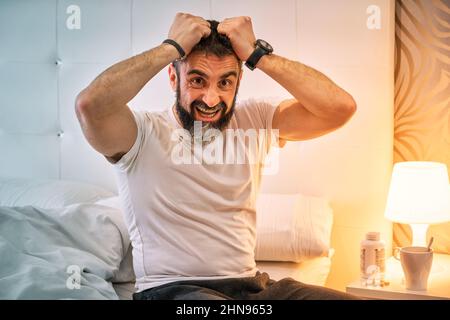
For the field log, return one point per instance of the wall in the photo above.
(422, 99)
(45, 60)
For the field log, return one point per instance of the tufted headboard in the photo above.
(51, 49)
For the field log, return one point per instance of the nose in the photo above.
(211, 97)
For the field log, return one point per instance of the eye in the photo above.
(197, 82)
(225, 83)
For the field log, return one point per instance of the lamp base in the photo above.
(419, 234)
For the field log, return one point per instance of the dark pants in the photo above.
(259, 287)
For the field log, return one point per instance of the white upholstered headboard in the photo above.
(48, 56)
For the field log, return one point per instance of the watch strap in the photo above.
(254, 58)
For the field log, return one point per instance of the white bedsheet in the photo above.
(73, 252)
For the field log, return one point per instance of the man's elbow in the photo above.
(83, 104)
(348, 109)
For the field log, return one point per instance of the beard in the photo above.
(187, 118)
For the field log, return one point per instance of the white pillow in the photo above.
(48, 193)
(292, 227)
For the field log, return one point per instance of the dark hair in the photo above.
(216, 44)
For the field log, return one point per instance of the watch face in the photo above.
(264, 44)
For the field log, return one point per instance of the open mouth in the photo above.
(207, 114)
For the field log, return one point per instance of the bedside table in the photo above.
(438, 283)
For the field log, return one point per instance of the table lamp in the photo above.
(419, 195)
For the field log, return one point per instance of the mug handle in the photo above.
(397, 253)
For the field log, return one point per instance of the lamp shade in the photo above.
(419, 193)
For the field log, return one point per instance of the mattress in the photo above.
(313, 271)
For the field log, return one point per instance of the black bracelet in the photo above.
(177, 46)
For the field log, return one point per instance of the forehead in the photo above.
(210, 64)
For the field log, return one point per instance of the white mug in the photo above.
(416, 264)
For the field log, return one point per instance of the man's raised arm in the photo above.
(318, 106)
(106, 120)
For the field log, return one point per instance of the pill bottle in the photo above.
(372, 260)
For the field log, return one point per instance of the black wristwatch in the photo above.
(261, 48)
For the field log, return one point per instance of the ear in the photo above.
(173, 77)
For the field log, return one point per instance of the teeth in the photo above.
(210, 115)
(207, 113)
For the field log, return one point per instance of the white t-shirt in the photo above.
(193, 219)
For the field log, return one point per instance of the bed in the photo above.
(41, 75)
(62, 239)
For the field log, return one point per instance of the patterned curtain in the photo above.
(422, 94)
